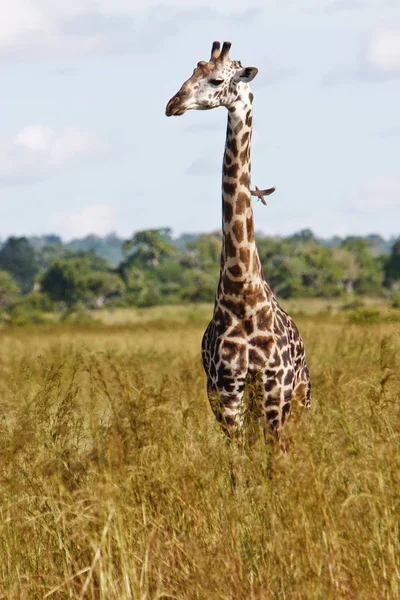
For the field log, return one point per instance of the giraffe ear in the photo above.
(247, 74)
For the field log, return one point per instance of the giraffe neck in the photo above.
(240, 265)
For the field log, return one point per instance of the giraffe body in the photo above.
(250, 335)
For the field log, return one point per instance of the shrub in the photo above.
(395, 300)
(353, 305)
(30, 309)
(77, 315)
(366, 316)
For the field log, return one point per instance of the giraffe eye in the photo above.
(216, 82)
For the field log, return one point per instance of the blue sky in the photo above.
(85, 146)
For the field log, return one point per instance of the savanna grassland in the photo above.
(115, 476)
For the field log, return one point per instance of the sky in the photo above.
(85, 146)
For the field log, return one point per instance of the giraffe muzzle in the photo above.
(174, 106)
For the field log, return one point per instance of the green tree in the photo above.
(204, 253)
(9, 290)
(76, 280)
(369, 275)
(63, 282)
(321, 275)
(149, 247)
(50, 252)
(282, 265)
(346, 260)
(305, 236)
(100, 286)
(392, 265)
(30, 309)
(151, 269)
(18, 258)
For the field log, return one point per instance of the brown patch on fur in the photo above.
(235, 271)
(285, 358)
(237, 331)
(288, 378)
(237, 307)
(264, 343)
(270, 374)
(279, 325)
(228, 212)
(253, 299)
(245, 179)
(255, 358)
(285, 411)
(239, 127)
(249, 326)
(287, 395)
(264, 319)
(229, 188)
(222, 318)
(272, 414)
(238, 231)
(242, 360)
(228, 384)
(242, 201)
(249, 118)
(231, 171)
(269, 385)
(244, 156)
(230, 248)
(244, 255)
(280, 342)
(250, 229)
(229, 350)
(234, 148)
(245, 137)
(277, 359)
(228, 159)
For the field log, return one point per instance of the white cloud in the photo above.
(383, 51)
(378, 60)
(22, 18)
(38, 150)
(95, 218)
(30, 28)
(379, 194)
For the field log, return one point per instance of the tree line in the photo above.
(43, 275)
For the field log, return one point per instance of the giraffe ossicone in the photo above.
(250, 335)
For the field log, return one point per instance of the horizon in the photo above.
(174, 236)
(87, 148)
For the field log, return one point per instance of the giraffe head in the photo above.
(218, 82)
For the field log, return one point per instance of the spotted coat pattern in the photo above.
(250, 335)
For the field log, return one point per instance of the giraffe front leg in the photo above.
(275, 410)
(276, 407)
(276, 403)
(226, 401)
(227, 405)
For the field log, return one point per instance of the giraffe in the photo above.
(250, 335)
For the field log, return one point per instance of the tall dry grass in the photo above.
(115, 477)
